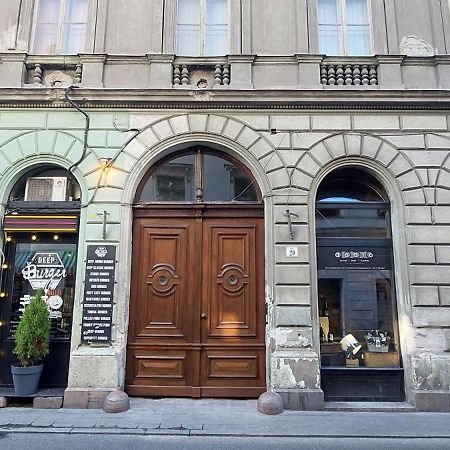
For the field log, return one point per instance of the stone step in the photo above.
(369, 406)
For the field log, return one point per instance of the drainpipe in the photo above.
(86, 128)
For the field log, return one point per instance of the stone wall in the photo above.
(289, 154)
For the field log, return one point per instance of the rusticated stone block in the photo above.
(47, 402)
(85, 398)
(270, 403)
(3, 402)
(432, 401)
(302, 399)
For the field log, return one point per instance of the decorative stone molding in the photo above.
(349, 74)
(414, 46)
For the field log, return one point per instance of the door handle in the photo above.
(203, 316)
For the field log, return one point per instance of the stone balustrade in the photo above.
(236, 72)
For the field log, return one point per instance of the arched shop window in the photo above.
(40, 251)
(360, 351)
(199, 175)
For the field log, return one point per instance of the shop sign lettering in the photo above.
(356, 258)
(44, 271)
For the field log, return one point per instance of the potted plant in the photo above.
(31, 345)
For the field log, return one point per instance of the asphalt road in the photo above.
(38, 441)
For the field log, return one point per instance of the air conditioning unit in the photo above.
(50, 189)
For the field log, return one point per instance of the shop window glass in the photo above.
(356, 291)
(47, 265)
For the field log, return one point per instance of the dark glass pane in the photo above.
(172, 182)
(352, 222)
(358, 303)
(351, 186)
(356, 297)
(223, 181)
(50, 266)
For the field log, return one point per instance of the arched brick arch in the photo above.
(359, 145)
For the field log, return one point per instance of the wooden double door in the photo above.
(197, 310)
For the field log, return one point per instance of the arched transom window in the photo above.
(199, 175)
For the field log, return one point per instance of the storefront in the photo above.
(40, 252)
(360, 347)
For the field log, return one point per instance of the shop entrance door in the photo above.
(197, 311)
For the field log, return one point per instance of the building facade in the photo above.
(224, 197)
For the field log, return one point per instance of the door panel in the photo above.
(197, 307)
(165, 295)
(162, 298)
(230, 285)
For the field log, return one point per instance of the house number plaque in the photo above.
(98, 294)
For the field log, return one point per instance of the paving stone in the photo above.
(42, 430)
(63, 424)
(43, 422)
(104, 431)
(150, 425)
(167, 432)
(23, 421)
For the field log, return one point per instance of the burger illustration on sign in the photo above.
(44, 271)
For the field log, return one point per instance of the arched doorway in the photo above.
(41, 238)
(360, 346)
(197, 311)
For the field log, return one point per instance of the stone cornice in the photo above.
(336, 99)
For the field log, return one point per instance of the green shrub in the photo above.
(33, 332)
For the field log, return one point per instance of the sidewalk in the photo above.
(223, 417)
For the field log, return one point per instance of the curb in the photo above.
(205, 433)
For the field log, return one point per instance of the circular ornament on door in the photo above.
(232, 278)
(163, 279)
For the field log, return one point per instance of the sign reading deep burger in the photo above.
(98, 294)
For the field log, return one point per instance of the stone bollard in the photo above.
(116, 401)
(270, 403)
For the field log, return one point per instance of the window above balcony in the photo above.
(345, 27)
(202, 27)
(60, 27)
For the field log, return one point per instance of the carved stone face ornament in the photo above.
(415, 46)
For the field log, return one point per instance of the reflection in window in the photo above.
(356, 294)
(51, 266)
(172, 182)
(344, 27)
(352, 222)
(199, 177)
(60, 26)
(202, 27)
(224, 181)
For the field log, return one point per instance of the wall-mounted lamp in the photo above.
(105, 162)
(2, 294)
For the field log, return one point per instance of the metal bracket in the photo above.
(289, 216)
(105, 215)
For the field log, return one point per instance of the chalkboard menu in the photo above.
(98, 294)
